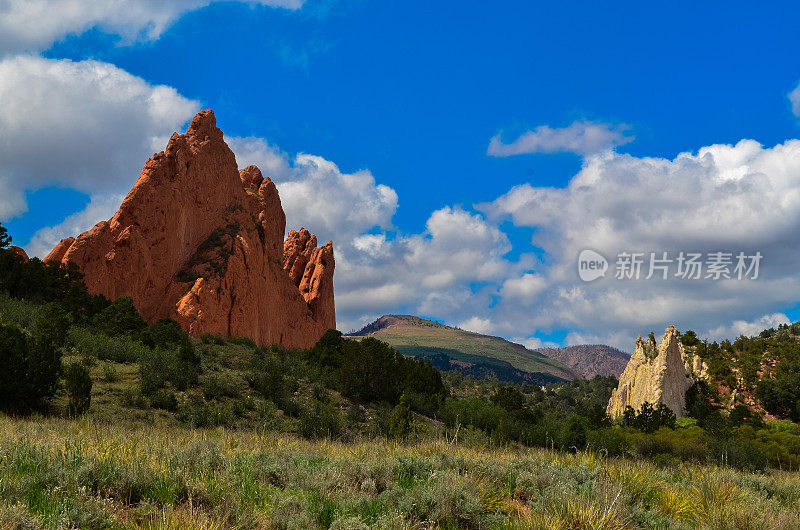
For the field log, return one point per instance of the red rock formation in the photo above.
(60, 249)
(200, 241)
(20, 252)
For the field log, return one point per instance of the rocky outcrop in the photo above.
(202, 242)
(57, 254)
(656, 374)
(19, 252)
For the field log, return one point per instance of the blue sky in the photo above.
(412, 93)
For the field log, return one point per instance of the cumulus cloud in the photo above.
(748, 329)
(741, 197)
(476, 324)
(316, 194)
(524, 289)
(794, 99)
(455, 264)
(581, 137)
(100, 207)
(12, 201)
(621, 340)
(379, 270)
(32, 25)
(732, 198)
(54, 134)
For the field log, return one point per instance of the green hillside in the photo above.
(419, 337)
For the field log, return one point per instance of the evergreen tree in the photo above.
(400, 421)
(5, 239)
(573, 434)
(78, 384)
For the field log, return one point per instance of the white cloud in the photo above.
(99, 208)
(371, 298)
(794, 98)
(333, 202)
(534, 343)
(316, 194)
(441, 271)
(373, 245)
(741, 197)
(476, 324)
(581, 137)
(12, 201)
(85, 125)
(618, 339)
(748, 329)
(524, 289)
(427, 273)
(33, 25)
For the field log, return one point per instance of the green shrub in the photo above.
(133, 398)
(243, 341)
(371, 371)
(324, 420)
(196, 412)
(30, 368)
(164, 399)
(121, 317)
(189, 359)
(78, 384)
(166, 333)
(120, 349)
(270, 378)
(609, 440)
(648, 418)
(154, 368)
(216, 386)
(400, 421)
(573, 434)
(16, 312)
(159, 366)
(110, 374)
(212, 338)
(13, 361)
(508, 398)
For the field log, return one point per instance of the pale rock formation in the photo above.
(657, 374)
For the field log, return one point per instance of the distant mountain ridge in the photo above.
(449, 348)
(589, 360)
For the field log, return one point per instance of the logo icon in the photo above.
(591, 265)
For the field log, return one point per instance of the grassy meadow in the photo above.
(60, 473)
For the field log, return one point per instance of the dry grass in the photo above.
(81, 474)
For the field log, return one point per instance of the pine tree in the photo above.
(5, 239)
(400, 421)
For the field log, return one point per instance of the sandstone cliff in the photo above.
(202, 242)
(656, 374)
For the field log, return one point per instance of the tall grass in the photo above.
(58, 473)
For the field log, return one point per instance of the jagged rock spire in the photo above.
(199, 241)
(655, 374)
